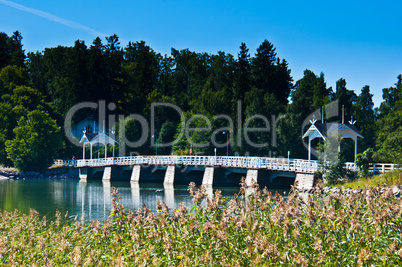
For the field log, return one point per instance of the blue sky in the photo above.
(360, 41)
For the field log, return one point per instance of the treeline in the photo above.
(133, 77)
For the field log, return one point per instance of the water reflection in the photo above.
(135, 192)
(169, 195)
(92, 200)
(209, 190)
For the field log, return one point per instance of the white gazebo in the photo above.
(96, 138)
(321, 130)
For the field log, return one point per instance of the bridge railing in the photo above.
(65, 163)
(283, 164)
(280, 164)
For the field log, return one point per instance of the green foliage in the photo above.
(17, 100)
(390, 178)
(135, 76)
(166, 135)
(11, 52)
(270, 74)
(363, 161)
(389, 135)
(391, 96)
(310, 93)
(365, 118)
(347, 98)
(37, 140)
(331, 160)
(335, 171)
(12, 76)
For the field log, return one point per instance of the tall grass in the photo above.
(260, 230)
(390, 178)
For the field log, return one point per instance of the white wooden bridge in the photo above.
(276, 164)
(282, 164)
(302, 170)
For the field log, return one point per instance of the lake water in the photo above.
(92, 199)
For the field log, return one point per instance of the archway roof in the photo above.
(345, 130)
(97, 138)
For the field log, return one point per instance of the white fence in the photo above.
(280, 164)
(374, 167)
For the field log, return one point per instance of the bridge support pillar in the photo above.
(304, 181)
(135, 175)
(83, 173)
(208, 178)
(107, 174)
(169, 176)
(251, 175)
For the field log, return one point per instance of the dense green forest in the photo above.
(39, 88)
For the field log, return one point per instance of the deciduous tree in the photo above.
(37, 140)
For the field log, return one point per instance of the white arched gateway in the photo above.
(321, 130)
(96, 138)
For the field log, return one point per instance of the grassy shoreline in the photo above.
(388, 179)
(325, 229)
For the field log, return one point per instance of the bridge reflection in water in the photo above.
(206, 170)
(95, 199)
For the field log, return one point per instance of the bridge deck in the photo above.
(278, 164)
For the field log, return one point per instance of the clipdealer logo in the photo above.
(148, 126)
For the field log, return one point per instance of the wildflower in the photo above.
(392, 247)
(76, 257)
(207, 227)
(193, 226)
(364, 256)
(301, 260)
(41, 242)
(369, 237)
(240, 222)
(259, 243)
(64, 245)
(106, 227)
(3, 248)
(225, 218)
(192, 188)
(317, 244)
(243, 185)
(175, 215)
(212, 205)
(197, 194)
(331, 215)
(119, 260)
(221, 234)
(33, 213)
(89, 260)
(95, 226)
(58, 217)
(182, 209)
(151, 218)
(134, 234)
(167, 242)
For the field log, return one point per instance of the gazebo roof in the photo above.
(97, 138)
(346, 130)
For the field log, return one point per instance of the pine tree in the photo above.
(365, 118)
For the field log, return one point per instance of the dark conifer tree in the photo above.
(365, 118)
(346, 99)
